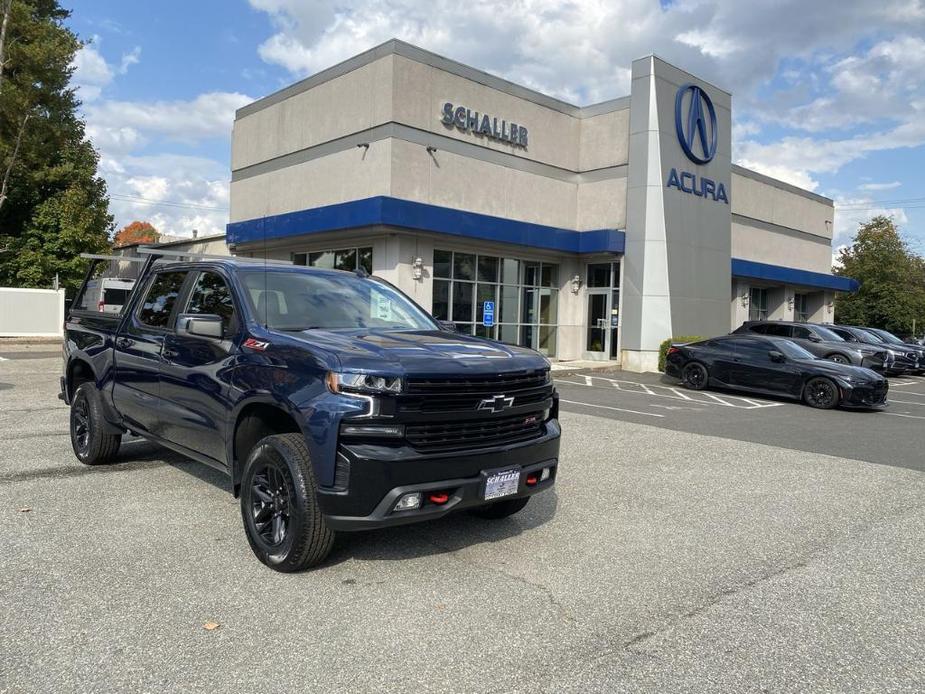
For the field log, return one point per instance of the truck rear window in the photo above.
(115, 297)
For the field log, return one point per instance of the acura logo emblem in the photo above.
(697, 133)
(498, 403)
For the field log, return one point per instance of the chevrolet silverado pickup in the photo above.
(332, 401)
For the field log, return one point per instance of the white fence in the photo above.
(31, 312)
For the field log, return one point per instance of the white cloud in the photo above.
(851, 212)
(174, 193)
(880, 186)
(92, 73)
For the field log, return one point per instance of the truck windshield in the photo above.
(293, 300)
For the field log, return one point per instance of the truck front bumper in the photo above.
(381, 475)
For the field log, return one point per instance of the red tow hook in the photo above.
(532, 479)
(438, 498)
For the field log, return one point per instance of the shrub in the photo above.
(663, 348)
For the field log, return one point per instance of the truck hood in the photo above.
(419, 352)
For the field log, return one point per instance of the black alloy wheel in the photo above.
(271, 505)
(821, 393)
(695, 376)
(80, 413)
(282, 519)
(838, 358)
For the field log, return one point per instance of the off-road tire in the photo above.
(89, 438)
(307, 540)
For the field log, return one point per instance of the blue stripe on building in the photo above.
(384, 210)
(406, 214)
(786, 275)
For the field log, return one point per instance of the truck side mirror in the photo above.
(201, 325)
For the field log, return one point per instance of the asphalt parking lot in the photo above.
(749, 546)
(892, 436)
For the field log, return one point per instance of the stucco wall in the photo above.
(758, 200)
(356, 101)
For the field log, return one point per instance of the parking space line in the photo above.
(907, 402)
(660, 391)
(897, 414)
(608, 407)
(903, 383)
(918, 395)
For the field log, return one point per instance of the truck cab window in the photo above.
(156, 308)
(211, 296)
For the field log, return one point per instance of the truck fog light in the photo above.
(544, 475)
(409, 502)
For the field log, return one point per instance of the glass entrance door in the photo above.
(602, 332)
(597, 322)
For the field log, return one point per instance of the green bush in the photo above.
(663, 348)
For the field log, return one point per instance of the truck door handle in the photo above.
(124, 342)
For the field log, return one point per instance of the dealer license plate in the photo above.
(503, 483)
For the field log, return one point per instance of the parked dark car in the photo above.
(895, 343)
(903, 358)
(821, 342)
(775, 366)
(329, 398)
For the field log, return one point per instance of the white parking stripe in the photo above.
(658, 391)
(903, 383)
(918, 395)
(897, 414)
(907, 402)
(3, 359)
(607, 407)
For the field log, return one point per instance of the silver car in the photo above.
(820, 341)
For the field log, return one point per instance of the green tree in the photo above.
(892, 278)
(53, 205)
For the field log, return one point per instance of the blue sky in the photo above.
(827, 95)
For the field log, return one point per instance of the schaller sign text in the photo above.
(481, 124)
(693, 184)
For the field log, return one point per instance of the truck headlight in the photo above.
(369, 384)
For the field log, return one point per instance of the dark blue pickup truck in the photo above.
(332, 401)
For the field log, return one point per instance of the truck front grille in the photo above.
(477, 384)
(492, 431)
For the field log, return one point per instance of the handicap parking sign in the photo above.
(488, 313)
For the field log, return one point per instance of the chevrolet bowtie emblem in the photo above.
(497, 403)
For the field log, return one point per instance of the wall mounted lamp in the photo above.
(417, 268)
(745, 300)
(576, 284)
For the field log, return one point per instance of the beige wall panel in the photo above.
(764, 246)
(356, 101)
(477, 186)
(605, 140)
(768, 203)
(339, 177)
(421, 91)
(602, 205)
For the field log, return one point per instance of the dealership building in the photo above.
(586, 232)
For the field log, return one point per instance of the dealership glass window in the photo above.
(757, 304)
(800, 308)
(525, 293)
(349, 259)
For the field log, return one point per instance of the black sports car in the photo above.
(775, 366)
